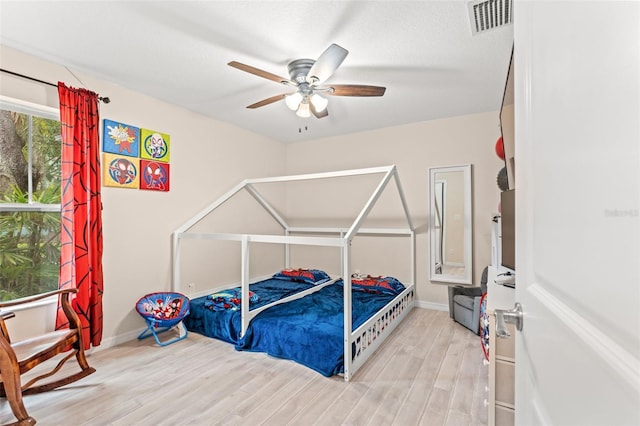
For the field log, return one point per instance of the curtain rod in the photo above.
(104, 99)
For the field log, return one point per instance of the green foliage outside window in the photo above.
(30, 232)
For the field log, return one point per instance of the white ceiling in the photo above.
(423, 52)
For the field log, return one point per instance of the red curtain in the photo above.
(81, 229)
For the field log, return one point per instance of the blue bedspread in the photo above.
(227, 325)
(310, 330)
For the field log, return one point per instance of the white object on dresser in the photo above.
(501, 354)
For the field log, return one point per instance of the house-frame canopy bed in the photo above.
(371, 328)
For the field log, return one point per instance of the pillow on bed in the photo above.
(309, 276)
(378, 284)
(228, 300)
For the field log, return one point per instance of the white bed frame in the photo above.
(373, 332)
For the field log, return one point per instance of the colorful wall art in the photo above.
(120, 171)
(120, 138)
(154, 175)
(154, 145)
(134, 157)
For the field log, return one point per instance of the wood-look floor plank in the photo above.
(298, 401)
(323, 403)
(479, 411)
(429, 372)
(434, 352)
(400, 373)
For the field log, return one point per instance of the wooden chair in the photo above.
(17, 358)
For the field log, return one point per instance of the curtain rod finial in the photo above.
(105, 99)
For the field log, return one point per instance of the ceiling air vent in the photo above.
(490, 14)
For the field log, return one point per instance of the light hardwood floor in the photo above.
(429, 372)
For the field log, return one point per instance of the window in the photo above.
(29, 199)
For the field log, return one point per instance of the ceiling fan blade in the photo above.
(326, 64)
(267, 101)
(258, 72)
(320, 114)
(355, 90)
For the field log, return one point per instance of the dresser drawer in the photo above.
(506, 348)
(505, 382)
(505, 416)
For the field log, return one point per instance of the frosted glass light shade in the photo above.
(293, 100)
(319, 103)
(303, 110)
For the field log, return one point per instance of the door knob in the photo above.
(512, 316)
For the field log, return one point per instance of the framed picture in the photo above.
(154, 145)
(120, 138)
(120, 171)
(154, 175)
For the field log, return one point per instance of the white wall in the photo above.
(413, 148)
(208, 157)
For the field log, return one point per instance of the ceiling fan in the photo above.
(307, 77)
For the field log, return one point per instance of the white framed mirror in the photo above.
(450, 224)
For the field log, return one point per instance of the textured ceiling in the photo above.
(423, 52)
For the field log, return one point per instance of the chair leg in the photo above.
(147, 332)
(182, 335)
(82, 361)
(12, 387)
(14, 397)
(151, 330)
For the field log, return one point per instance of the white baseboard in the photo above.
(432, 306)
(116, 340)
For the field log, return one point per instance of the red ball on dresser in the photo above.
(500, 148)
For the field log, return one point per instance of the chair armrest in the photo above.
(72, 316)
(476, 313)
(3, 328)
(6, 315)
(466, 291)
(30, 299)
(452, 293)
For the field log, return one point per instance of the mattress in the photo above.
(226, 325)
(310, 330)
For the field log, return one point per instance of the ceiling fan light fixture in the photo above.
(305, 79)
(319, 103)
(293, 101)
(303, 110)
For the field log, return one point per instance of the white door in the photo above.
(577, 122)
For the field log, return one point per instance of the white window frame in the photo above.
(41, 111)
(30, 108)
